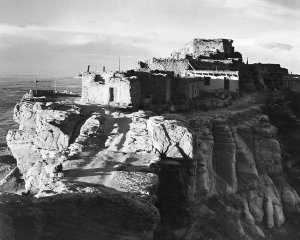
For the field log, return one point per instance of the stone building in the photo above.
(143, 88)
(207, 48)
(202, 66)
(131, 88)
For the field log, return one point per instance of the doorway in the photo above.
(226, 83)
(111, 94)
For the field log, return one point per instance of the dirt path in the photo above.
(95, 164)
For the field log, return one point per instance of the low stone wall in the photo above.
(168, 64)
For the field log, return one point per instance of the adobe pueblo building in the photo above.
(130, 88)
(201, 68)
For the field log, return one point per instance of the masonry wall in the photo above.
(203, 47)
(155, 86)
(261, 76)
(189, 88)
(218, 84)
(135, 93)
(228, 48)
(179, 65)
(179, 91)
(194, 88)
(210, 64)
(206, 48)
(294, 84)
(168, 64)
(87, 79)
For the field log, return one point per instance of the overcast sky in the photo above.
(61, 37)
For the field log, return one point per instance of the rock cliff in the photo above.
(82, 211)
(206, 175)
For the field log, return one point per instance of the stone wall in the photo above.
(211, 64)
(114, 90)
(294, 85)
(218, 84)
(292, 82)
(153, 87)
(260, 76)
(193, 87)
(179, 90)
(168, 64)
(180, 65)
(206, 48)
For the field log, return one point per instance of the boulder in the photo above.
(43, 130)
(171, 137)
(138, 138)
(22, 145)
(134, 182)
(88, 135)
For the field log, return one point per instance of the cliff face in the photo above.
(44, 129)
(194, 169)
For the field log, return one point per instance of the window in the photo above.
(206, 81)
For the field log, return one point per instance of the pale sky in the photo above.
(61, 37)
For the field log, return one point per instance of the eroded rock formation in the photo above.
(189, 170)
(44, 130)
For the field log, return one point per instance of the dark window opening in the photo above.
(206, 81)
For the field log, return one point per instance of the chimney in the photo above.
(88, 69)
(103, 69)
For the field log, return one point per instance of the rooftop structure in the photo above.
(199, 54)
(207, 48)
